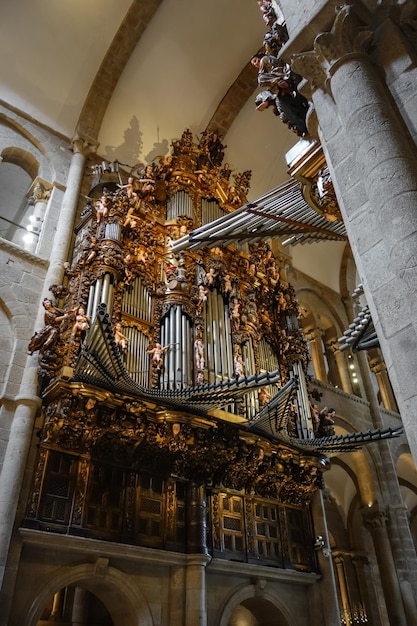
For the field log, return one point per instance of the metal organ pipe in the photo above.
(209, 342)
(110, 297)
(137, 302)
(171, 353)
(180, 204)
(222, 336)
(216, 336)
(164, 341)
(95, 294)
(268, 361)
(303, 403)
(212, 325)
(184, 353)
(249, 363)
(229, 347)
(176, 348)
(176, 331)
(210, 211)
(113, 232)
(144, 359)
(105, 289)
(189, 350)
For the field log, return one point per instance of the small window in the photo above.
(15, 209)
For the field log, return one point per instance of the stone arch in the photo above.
(20, 146)
(253, 598)
(22, 158)
(122, 598)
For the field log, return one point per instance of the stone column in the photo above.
(327, 586)
(366, 588)
(375, 180)
(378, 367)
(27, 402)
(375, 520)
(333, 375)
(12, 472)
(59, 254)
(314, 338)
(39, 194)
(341, 579)
(80, 607)
(195, 590)
(342, 367)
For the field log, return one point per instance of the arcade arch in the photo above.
(250, 607)
(118, 593)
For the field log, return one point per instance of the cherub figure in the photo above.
(211, 276)
(199, 354)
(239, 371)
(202, 295)
(227, 284)
(130, 219)
(102, 209)
(263, 396)
(141, 255)
(156, 354)
(235, 313)
(81, 324)
(90, 252)
(129, 189)
(147, 182)
(120, 339)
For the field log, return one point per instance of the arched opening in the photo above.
(75, 605)
(96, 593)
(17, 172)
(257, 611)
(255, 606)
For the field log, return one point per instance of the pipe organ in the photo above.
(207, 320)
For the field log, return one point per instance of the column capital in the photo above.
(375, 517)
(39, 191)
(313, 333)
(83, 144)
(377, 365)
(348, 38)
(332, 345)
(338, 558)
